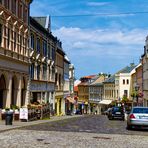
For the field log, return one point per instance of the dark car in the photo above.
(116, 113)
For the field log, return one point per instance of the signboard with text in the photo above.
(24, 113)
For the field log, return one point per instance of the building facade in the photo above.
(83, 94)
(137, 86)
(145, 73)
(59, 80)
(96, 94)
(42, 62)
(14, 53)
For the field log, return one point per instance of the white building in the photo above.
(122, 82)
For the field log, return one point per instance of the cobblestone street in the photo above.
(79, 132)
(90, 124)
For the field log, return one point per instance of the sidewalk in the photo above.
(18, 124)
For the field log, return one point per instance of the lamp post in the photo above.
(137, 95)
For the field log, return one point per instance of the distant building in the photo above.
(136, 92)
(68, 87)
(96, 93)
(83, 93)
(122, 82)
(118, 86)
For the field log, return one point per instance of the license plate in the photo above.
(118, 113)
(143, 117)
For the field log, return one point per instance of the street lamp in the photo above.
(137, 95)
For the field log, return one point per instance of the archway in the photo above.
(2, 89)
(14, 91)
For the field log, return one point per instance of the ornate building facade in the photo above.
(14, 53)
(42, 59)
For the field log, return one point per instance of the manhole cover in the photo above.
(105, 138)
(40, 139)
(46, 143)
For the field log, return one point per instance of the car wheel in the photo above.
(128, 127)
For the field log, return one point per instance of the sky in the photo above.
(97, 35)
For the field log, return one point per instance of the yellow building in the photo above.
(14, 53)
(83, 94)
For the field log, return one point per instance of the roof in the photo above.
(89, 77)
(84, 84)
(127, 69)
(41, 20)
(77, 82)
(96, 84)
(110, 79)
(98, 79)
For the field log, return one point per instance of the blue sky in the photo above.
(97, 43)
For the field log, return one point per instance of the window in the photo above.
(44, 48)
(59, 79)
(7, 4)
(123, 81)
(32, 71)
(32, 41)
(38, 72)
(20, 44)
(56, 78)
(49, 51)
(53, 54)
(25, 15)
(13, 6)
(20, 10)
(44, 71)
(125, 92)
(8, 36)
(38, 45)
(127, 81)
(1, 34)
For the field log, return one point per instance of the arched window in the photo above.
(32, 40)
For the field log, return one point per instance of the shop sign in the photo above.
(41, 87)
(24, 113)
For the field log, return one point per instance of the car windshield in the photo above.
(117, 109)
(140, 110)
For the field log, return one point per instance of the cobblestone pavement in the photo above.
(82, 132)
(89, 124)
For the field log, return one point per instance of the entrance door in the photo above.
(1, 98)
(2, 89)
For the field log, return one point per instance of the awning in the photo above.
(70, 100)
(105, 102)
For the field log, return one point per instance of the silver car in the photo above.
(137, 117)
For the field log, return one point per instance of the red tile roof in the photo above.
(89, 77)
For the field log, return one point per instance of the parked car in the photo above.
(137, 117)
(116, 113)
(106, 112)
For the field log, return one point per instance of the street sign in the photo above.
(24, 113)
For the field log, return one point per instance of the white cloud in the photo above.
(101, 45)
(97, 3)
(77, 36)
